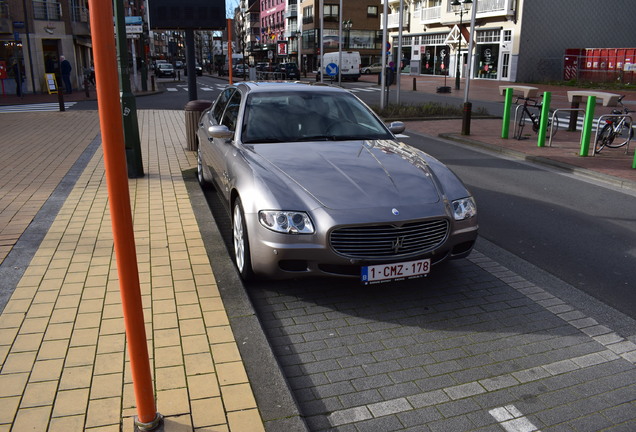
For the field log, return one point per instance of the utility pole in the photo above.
(128, 104)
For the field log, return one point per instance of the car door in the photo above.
(222, 149)
(209, 149)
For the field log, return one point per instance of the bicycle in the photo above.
(533, 118)
(615, 127)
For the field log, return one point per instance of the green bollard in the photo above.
(543, 123)
(586, 135)
(505, 127)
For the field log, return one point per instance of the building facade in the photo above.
(360, 26)
(515, 40)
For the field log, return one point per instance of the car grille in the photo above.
(389, 241)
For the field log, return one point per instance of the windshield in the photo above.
(309, 116)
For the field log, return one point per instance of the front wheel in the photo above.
(242, 257)
(203, 181)
(520, 125)
(552, 126)
(604, 138)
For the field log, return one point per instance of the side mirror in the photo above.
(220, 131)
(397, 127)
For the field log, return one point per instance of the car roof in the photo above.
(268, 86)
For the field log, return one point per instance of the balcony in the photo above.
(393, 21)
(428, 15)
(492, 8)
(291, 11)
(488, 8)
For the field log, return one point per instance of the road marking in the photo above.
(172, 89)
(513, 420)
(615, 347)
(365, 89)
(52, 106)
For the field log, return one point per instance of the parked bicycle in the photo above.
(528, 115)
(617, 131)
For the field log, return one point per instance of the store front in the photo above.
(10, 54)
(492, 54)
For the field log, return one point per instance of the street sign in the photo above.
(331, 69)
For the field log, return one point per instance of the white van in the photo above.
(350, 65)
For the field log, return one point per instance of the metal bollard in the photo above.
(414, 85)
(152, 83)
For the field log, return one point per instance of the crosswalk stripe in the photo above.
(52, 106)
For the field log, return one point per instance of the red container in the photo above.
(600, 64)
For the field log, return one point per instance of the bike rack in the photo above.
(554, 115)
(598, 127)
(537, 106)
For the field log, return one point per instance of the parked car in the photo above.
(240, 70)
(165, 70)
(372, 69)
(289, 70)
(349, 70)
(197, 68)
(317, 185)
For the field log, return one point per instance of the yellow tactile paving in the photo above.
(62, 339)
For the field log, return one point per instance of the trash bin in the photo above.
(193, 110)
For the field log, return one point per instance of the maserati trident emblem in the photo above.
(397, 244)
(395, 212)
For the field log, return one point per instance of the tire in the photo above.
(367, 72)
(555, 128)
(622, 138)
(240, 242)
(521, 124)
(603, 138)
(203, 181)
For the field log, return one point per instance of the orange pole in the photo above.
(110, 112)
(229, 48)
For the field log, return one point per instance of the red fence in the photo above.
(600, 65)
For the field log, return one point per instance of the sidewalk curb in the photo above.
(278, 407)
(583, 172)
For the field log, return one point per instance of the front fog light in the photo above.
(464, 208)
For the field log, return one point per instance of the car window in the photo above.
(231, 111)
(308, 116)
(220, 104)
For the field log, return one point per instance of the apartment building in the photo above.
(515, 40)
(360, 29)
(36, 33)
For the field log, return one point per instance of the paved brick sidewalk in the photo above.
(62, 341)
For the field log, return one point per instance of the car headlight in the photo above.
(464, 208)
(288, 222)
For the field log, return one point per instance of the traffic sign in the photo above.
(331, 69)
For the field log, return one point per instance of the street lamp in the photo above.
(460, 8)
(347, 26)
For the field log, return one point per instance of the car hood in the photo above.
(355, 174)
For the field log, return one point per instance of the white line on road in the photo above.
(52, 106)
(513, 420)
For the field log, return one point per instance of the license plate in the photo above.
(395, 271)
